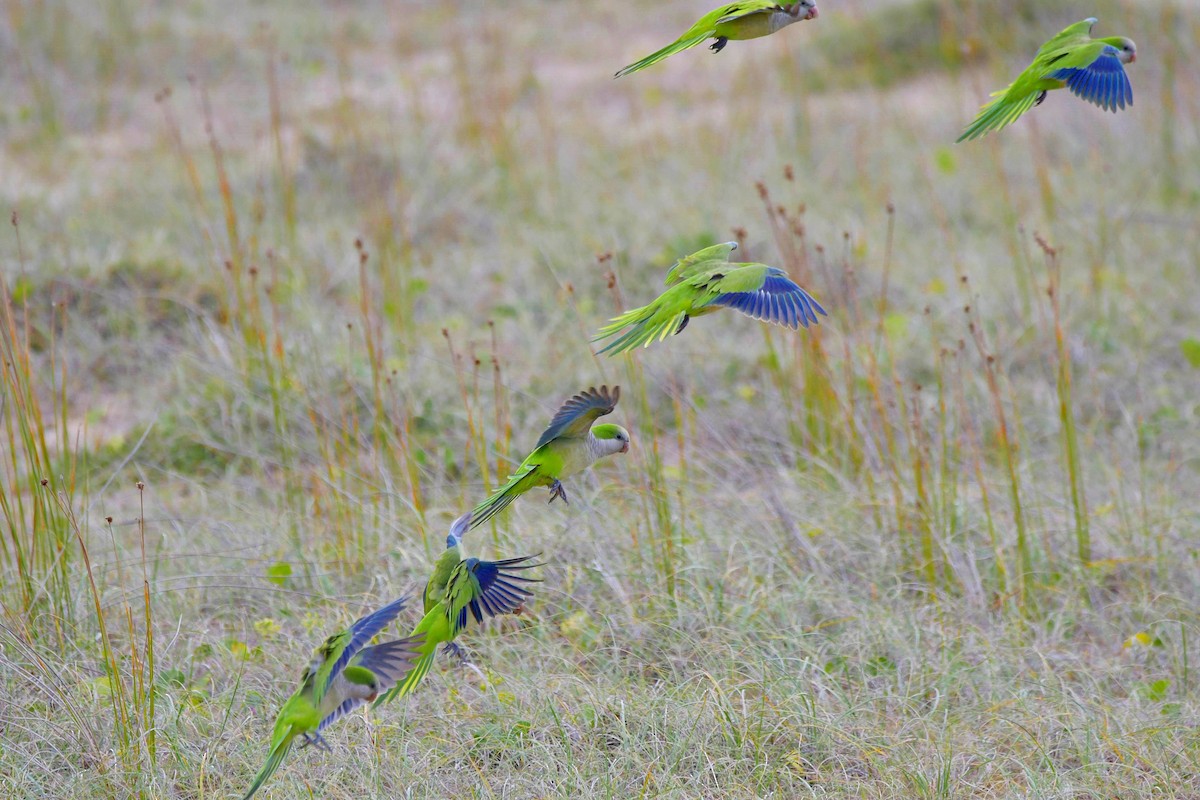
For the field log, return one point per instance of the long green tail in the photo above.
(502, 498)
(659, 55)
(273, 761)
(421, 666)
(996, 115)
(644, 328)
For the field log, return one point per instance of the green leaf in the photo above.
(279, 572)
(1191, 351)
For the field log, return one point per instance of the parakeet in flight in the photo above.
(457, 587)
(745, 20)
(1091, 68)
(344, 673)
(704, 282)
(571, 444)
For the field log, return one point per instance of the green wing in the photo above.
(574, 418)
(1072, 34)
(735, 11)
(700, 261)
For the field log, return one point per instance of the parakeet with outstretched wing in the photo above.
(569, 445)
(461, 588)
(745, 20)
(344, 673)
(1092, 69)
(704, 282)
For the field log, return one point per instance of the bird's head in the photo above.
(808, 9)
(457, 529)
(613, 437)
(1128, 49)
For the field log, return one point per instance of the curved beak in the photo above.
(812, 14)
(625, 448)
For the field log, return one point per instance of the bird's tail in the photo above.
(997, 114)
(419, 669)
(645, 325)
(501, 498)
(657, 56)
(278, 751)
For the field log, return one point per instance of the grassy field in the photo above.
(286, 287)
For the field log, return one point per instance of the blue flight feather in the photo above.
(498, 588)
(363, 631)
(778, 300)
(1102, 83)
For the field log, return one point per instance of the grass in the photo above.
(289, 287)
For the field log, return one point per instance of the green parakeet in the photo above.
(342, 675)
(457, 587)
(569, 445)
(745, 20)
(1091, 68)
(704, 282)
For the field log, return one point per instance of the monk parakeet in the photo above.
(745, 20)
(342, 675)
(704, 282)
(1090, 68)
(570, 445)
(458, 586)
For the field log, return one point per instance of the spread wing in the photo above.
(390, 662)
(1103, 82)
(765, 293)
(574, 419)
(338, 650)
(487, 588)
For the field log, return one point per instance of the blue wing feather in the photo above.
(778, 300)
(362, 632)
(499, 588)
(1102, 83)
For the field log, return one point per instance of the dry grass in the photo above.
(917, 552)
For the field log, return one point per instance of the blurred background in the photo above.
(289, 286)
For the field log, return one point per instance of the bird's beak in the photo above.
(1132, 57)
(625, 447)
(812, 13)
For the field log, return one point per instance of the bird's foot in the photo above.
(719, 44)
(1041, 96)
(453, 649)
(558, 490)
(682, 325)
(317, 741)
